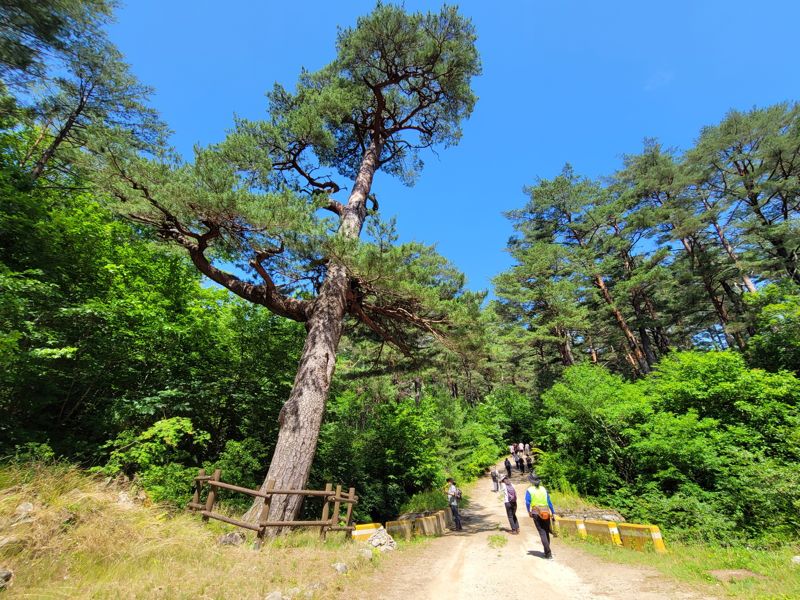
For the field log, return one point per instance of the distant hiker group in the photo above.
(537, 499)
(520, 456)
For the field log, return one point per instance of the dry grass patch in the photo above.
(80, 542)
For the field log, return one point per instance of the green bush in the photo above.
(705, 446)
(158, 457)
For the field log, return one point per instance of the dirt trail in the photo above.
(462, 565)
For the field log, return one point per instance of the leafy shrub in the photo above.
(776, 345)
(704, 446)
(158, 457)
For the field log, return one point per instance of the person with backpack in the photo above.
(453, 497)
(508, 467)
(495, 479)
(529, 463)
(540, 508)
(520, 463)
(510, 502)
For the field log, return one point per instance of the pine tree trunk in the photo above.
(564, 347)
(633, 344)
(301, 416)
(66, 128)
(731, 252)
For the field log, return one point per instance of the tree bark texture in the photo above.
(301, 416)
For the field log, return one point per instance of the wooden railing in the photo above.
(331, 509)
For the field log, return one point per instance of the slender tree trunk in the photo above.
(62, 134)
(564, 347)
(301, 415)
(647, 347)
(748, 283)
(722, 312)
(661, 338)
(592, 351)
(633, 344)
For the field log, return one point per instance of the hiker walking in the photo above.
(527, 449)
(495, 479)
(508, 467)
(510, 502)
(453, 496)
(540, 508)
(529, 463)
(520, 464)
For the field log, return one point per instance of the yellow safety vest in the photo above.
(538, 495)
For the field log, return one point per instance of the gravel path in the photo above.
(463, 566)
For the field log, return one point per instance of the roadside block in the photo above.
(442, 519)
(603, 530)
(362, 532)
(637, 537)
(427, 526)
(404, 529)
(574, 526)
(448, 518)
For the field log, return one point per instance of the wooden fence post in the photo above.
(212, 493)
(264, 516)
(351, 494)
(323, 531)
(336, 506)
(198, 487)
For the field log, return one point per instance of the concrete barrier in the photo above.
(603, 530)
(404, 529)
(639, 537)
(441, 516)
(574, 526)
(362, 532)
(428, 526)
(448, 518)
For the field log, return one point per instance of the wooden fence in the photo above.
(333, 500)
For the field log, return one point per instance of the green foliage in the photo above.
(704, 446)
(776, 343)
(157, 456)
(432, 500)
(397, 452)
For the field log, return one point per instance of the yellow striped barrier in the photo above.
(637, 537)
(575, 526)
(362, 532)
(603, 530)
(427, 526)
(400, 528)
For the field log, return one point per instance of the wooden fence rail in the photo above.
(331, 508)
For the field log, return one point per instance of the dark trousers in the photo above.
(511, 511)
(508, 470)
(456, 516)
(543, 527)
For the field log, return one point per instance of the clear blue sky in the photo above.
(563, 80)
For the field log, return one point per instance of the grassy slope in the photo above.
(82, 543)
(780, 579)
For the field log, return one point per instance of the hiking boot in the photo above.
(548, 555)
